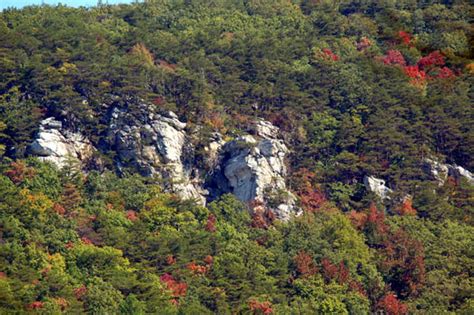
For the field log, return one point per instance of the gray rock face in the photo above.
(377, 186)
(213, 149)
(255, 170)
(55, 144)
(265, 129)
(154, 144)
(252, 167)
(440, 172)
(460, 172)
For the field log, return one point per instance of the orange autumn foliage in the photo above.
(170, 260)
(358, 219)
(406, 208)
(86, 241)
(216, 122)
(403, 253)
(211, 223)
(338, 272)
(178, 289)
(35, 305)
(305, 265)
(59, 209)
(62, 303)
(311, 198)
(197, 269)
(80, 292)
(260, 307)
(132, 215)
(209, 259)
(18, 172)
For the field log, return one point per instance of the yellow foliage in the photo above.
(67, 67)
(105, 84)
(140, 51)
(36, 202)
(57, 261)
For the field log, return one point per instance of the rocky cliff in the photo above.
(377, 186)
(251, 166)
(158, 144)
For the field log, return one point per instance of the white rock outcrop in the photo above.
(460, 172)
(440, 172)
(266, 129)
(57, 145)
(154, 144)
(255, 170)
(252, 167)
(377, 186)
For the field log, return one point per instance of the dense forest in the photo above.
(356, 88)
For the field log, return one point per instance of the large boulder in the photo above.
(55, 144)
(377, 186)
(154, 144)
(254, 169)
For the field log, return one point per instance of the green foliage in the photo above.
(102, 298)
(448, 257)
(103, 244)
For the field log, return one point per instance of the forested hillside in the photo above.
(238, 157)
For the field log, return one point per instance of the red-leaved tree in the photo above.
(260, 307)
(403, 263)
(329, 54)
(435, 58)
(178, 289)
(305, 265)
(394, 57)
(404, 37)
(406, 207)
(311, 198)
(211, 223)
(390, 305)
(19, 171)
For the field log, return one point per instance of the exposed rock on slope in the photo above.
(266, 129)
(460, 172)
(154, 145)
(440, 172)
(254, 169)
(212, 150)
(55, 144)
(377, 186)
